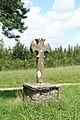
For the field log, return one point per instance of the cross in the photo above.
(40, 48)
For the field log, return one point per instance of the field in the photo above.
(70, 74)
(67, 107)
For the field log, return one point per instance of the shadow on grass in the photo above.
(11, 94)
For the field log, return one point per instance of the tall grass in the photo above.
(12, 106)
(67, 107)
(52, 75)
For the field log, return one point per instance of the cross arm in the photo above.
(33, 47)
(47, 48)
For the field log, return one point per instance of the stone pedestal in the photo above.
(40, 92)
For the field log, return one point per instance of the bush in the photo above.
(0, 68)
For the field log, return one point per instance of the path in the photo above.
(20, 88)
(67, 84)
(11, 89)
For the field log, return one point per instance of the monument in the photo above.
(40, 90)
(40, 48)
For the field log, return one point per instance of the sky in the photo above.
(57, 21)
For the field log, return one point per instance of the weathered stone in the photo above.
(40, 92)
(40, 48)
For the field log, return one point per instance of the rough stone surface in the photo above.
(40, 48)
(40, 92)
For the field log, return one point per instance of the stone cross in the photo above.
(40, 48)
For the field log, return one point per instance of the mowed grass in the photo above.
(12, 106)
(16, 78)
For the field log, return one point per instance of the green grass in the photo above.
(67, 107)
(52, 75)
(12, 106)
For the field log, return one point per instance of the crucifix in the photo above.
(40, 48)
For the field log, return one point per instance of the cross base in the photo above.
(40, 92)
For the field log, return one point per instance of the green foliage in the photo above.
(12, 14)
(18, 51)
(20, 57)
(63, 57)
(0, 68)
(1, 48)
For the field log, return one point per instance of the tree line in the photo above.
(20, 57)
(12, 16)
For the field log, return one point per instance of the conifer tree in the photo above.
(12, 14)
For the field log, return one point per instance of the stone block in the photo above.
(40, 92)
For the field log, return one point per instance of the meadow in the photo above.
(67, 107)
(12, 106)
(16, 78)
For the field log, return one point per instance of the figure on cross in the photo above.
(40, 48)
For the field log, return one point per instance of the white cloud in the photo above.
(74, 21)
(41, 26)
(34, 26)
(51, 25)
(76, 39)
(64, 5)
(53, 30)
(53, 15)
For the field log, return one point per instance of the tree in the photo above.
(1, 48)
(70, 51)
(18, 51)
(12, 14)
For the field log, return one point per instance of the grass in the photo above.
(70, 74)
(67, 107)
(12, 106)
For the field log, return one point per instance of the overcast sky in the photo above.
(57, 21)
